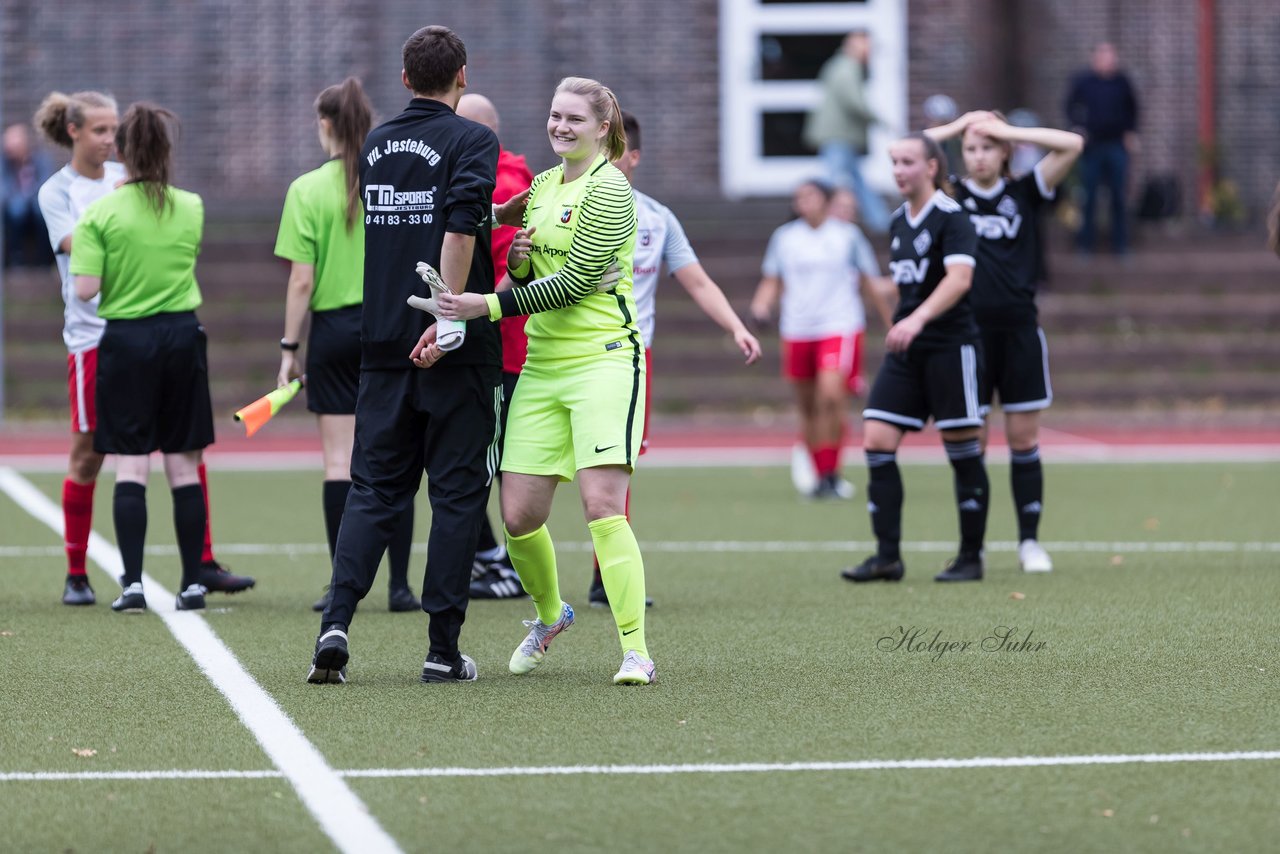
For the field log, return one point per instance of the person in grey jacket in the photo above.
(837, 127)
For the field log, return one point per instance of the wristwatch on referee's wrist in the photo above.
(286, 344)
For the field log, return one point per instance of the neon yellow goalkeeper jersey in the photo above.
(582, 228)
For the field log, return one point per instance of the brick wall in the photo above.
(242, 73)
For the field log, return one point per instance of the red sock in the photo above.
(206, 556)
(77, 519)
(826, 459)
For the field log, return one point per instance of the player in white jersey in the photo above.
(816, 266)
(86, 123)
(660, 239)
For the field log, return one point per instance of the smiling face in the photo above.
(574, 131)
(94, 140)
(984, 157)
(912, 171)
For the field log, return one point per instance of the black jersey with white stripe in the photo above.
(1006, 218)
(920, 248)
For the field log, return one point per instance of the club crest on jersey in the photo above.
(1007, 207)
(566, 214)
(922, 242)
(970, 204)
(645, 237)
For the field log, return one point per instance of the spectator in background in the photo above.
(838, 126)
(26, 241)
(1102, 106)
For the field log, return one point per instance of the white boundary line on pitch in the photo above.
(707, 768)
(340, 813)
(1084, 452)
(743, 547)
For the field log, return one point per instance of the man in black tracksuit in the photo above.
(427, 179)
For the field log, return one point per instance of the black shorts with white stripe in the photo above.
(940, 383)
(1016, 367)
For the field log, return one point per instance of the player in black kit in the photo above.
(932, 365)
(426, 179)
(1005, 212)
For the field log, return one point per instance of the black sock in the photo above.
(335, 501)
(398, 550)
(1027, 478)
(884, 501)
(972, 493)
(129, 511)
(188, 525)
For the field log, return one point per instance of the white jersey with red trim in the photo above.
(659, 239)
(820, 269)
(63, 199)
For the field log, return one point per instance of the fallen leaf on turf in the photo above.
(1108, 813)
(1186, 832)
(423, 800)
(1154, 819)
(1016, 595)
(1151, 523)
(680, 723)
(84, 752)
(1116, 560)
(6, 634)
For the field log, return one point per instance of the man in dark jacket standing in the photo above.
(1102, 106)
(427, 179)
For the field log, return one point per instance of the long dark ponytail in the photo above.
(350, 115)
(145, 142)
(933, 151)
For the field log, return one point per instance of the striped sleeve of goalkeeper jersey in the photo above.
(606, 219)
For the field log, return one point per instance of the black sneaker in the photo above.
(329, 664)
(399, 599)
(77, 591)
(132, 600)
(961, 568)
(436, 669)
(598, 598)
(875, 568)
(497, 581)
(323, 601)
(191, 599)
(215, 577)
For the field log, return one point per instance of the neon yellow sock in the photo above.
(534, 557)
(622, 570)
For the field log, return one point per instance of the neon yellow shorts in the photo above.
(573, 414)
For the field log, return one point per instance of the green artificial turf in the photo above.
(764, 655)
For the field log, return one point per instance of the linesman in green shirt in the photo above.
(579, 405)
(137, 248)
(322, 235)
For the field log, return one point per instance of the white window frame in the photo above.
(744, 97)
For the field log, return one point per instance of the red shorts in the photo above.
(82, 377)
(802, 360)
(648, 387)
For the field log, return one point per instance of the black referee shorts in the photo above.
(333, 361)
(1016, 366)
(153, 386)
(915, 386)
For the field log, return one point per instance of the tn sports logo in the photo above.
(385, 197)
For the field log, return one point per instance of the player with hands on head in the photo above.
(1005, 211)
